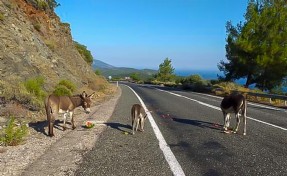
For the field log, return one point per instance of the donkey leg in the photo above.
(224, 121)
(51, 124)
(244, 121)
(65, 119)
(134, 125)
(227, 121)
(137, 123)
(142, 124)
(72, 120)
(237, 124)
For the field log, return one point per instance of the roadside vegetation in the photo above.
(84, 52)
(22, 103)
(256, 48)
(13, 133)
(64, 87)
(44, 4)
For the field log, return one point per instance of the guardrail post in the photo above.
(285, 103)
(270, 100)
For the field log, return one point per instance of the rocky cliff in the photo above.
(33, 42)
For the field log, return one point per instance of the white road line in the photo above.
(217, 108)
(254, 104)
(169, 156)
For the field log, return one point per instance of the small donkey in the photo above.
(65, 104)
(234, 104)
(138, 117)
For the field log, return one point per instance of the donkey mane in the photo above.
(76, 100)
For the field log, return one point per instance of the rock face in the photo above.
(35, 42)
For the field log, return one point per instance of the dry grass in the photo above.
(226, 88)
(51, 44)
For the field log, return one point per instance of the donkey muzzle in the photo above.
(88, 110)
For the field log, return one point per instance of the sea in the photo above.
(206, 74)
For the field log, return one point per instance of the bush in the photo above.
(68, 84)
(50, 44)
(42, 5)
(19, 93)
(35, 86)
(84, 52)
(64, 87)
(226, 88)
(12, 134)
(62, 91)
(37, 26)
(98, 72)
(1, 17)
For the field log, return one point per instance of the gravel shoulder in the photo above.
(60, 155)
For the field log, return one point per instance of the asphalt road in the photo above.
(191, 125)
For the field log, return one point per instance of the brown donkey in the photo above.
(65, 104)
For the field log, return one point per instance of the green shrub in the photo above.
(84, 52)
(98, 72)
(37, 26)
(68, 84)
(35, 86)
(12, 134)
(20, 93)
(50, 44)
(1, 17)
(61, 90)
(226, 88)
(42, 5)
(64, 87)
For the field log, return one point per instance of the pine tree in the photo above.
(166, 71)
(256, 49)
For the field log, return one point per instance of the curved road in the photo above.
(191, 126)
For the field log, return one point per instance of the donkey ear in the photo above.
(90, 96)
(84, 94)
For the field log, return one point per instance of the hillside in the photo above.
(34, 42)
(121, 72)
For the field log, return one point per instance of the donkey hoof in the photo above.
(73, 127)
(227, 131)
(51, 135)
(64, 129)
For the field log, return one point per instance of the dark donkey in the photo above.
(235, 103)
(65, 104)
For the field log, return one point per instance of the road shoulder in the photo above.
(42, 155)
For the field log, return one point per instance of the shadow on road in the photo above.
(40, 126)
(118, 126)
(198, 123)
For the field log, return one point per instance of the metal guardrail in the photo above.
(270, 96)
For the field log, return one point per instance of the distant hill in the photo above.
(97, 64)
(109, 70)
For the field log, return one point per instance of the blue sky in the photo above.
(142, 33)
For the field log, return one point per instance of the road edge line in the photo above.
(217, 108)
(169, 156)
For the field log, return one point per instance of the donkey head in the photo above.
(86, 101)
